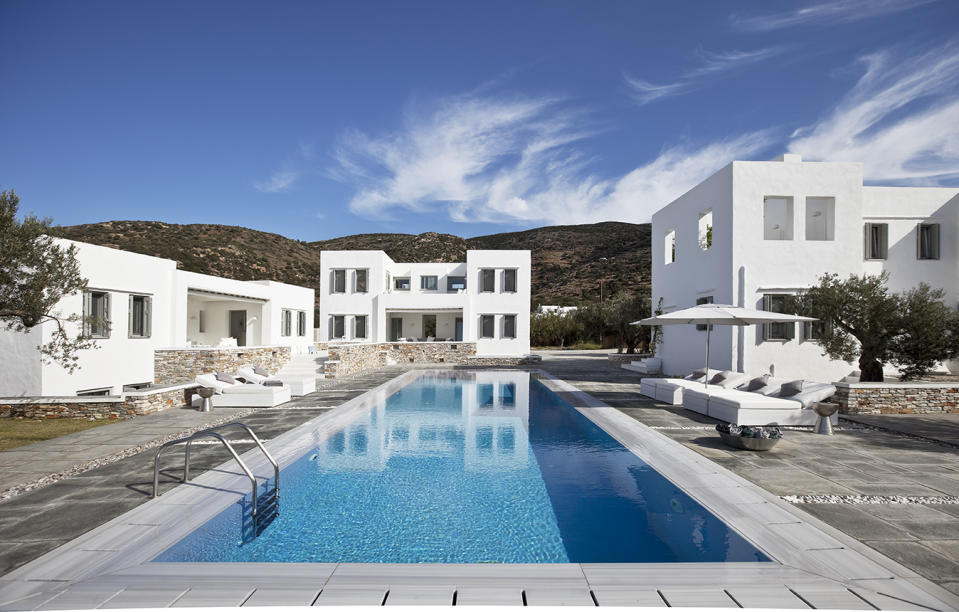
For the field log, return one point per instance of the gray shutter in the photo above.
(148, 317)
(867, 241)
(934, 241)
(129, 316)
(108, 321)
(884, 241)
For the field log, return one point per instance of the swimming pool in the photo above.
(471, 467)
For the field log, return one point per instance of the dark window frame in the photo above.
(339, 280)
(357, 319)
(507, 320)
(492, 327)
(927, 241)
(487, 278)
(507, 274)
(424, 282)
(876, 239)
(777, 332)
(366, 280)
(139, 324)
(455, 280)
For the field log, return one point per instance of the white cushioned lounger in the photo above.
(299, 385)
(242, 395)
(670, 390)
(753, 408)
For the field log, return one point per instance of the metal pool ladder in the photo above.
(211, 433)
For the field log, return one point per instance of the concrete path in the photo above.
(940, 427)
(850, 466)
(38, 521)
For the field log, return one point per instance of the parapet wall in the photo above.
(348, 359)
(177, 365)
(134, 403)
(897, 398)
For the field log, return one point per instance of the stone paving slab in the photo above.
(942, 427)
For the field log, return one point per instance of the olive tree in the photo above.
(35, 274)
(623, 309)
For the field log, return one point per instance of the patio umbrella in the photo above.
(720, 314)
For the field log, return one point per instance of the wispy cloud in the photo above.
(831, 12)
(281, 180)
(516, 160)
(711, 64)
(901, 119)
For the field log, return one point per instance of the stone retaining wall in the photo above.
(897, 398)
(351, 358)
(620, 358)
(131, 404)
(180, 364)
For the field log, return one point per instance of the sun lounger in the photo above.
(650, 365)
(299, 385)
(670, 390)
(763, 406)
(240, 394)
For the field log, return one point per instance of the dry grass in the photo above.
(16, 432)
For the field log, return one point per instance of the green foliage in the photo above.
(863, 320)
(623, 309)
(554, 329)
(35, 274)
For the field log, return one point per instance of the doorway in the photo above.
(396, 329)
(429, 326)
(238, 326)
(459, 329)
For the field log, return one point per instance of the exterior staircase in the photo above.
(305, 364)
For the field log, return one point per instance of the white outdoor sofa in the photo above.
(762, 406)
(299, 385)
(239, 394)
(670, 390)
(649, 365)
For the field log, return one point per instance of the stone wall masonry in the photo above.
(348, 359)
(128, 405)
(897, 398)
(184, 364)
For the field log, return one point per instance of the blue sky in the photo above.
(320, 119)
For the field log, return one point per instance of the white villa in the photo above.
(151, 305)
(366, 297)
(755, 231)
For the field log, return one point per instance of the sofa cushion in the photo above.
(814, 393)
(719, 378)
(260, 371)
(697, 374)
(757, 383)
(791, 388)
(222, 377)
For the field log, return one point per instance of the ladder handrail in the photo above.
(200, 434)
(256, 440)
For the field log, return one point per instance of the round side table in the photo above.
(206, 393)
(825, 411)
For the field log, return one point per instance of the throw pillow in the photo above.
(260, 371)
(791, 388)
(698, 373)
(719, 378)
(220, 376)
(758, 383)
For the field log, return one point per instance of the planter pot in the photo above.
(753, 444)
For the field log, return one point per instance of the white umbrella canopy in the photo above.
(720, 314)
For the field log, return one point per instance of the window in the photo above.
(201, 322)
(487, 280)
(927, 245)
(359, 281)
(359, 326)
(100, 391)
(96, 314)
(339, 281)
(428, 283)
(509, 281)
(777, 331)
(877, 240)
(778, 218)
(338, 327)
(401, 284)
(813, 330)
(708, 299)
(455, 283)
(301, 323)
(286, 323)
(670, 246)
(486, 326)
(139, 316)
(820, 218)
(706, 229)
(509, 326)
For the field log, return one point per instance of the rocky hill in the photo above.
(571, 263)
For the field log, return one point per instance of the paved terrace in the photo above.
(914, 456)
(855, 462)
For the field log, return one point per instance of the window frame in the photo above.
(507, 318)
(399, 279)
(487, 274)
(705, 299)
(934, 244)
(286, 323)
(333, 321)
(767, 331)
(146, 313)
(339, 274)
(366, 280)
(425, 278)
(789, 233)
(356, 326)
(301, 323)
(451, 280)
(492, 326)
(868, 253)
(506, 276)
(90, 329)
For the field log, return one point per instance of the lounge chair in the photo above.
(670, 390)
(768, 404)
(239, 394)
(650, 365)
(299, 385)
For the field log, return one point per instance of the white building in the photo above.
(755, 231)
(148, 304)
(367, 297)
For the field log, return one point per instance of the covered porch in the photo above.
(424, 325)
(223, 319)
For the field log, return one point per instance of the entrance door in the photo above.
(429, 326)
(238, 326)
(396, 329)
(459, 329)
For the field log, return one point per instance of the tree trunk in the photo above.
(870, 369)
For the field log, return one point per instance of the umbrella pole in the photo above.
(706, 379)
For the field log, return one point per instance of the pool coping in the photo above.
(806, 552)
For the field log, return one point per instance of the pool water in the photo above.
(471, 467)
